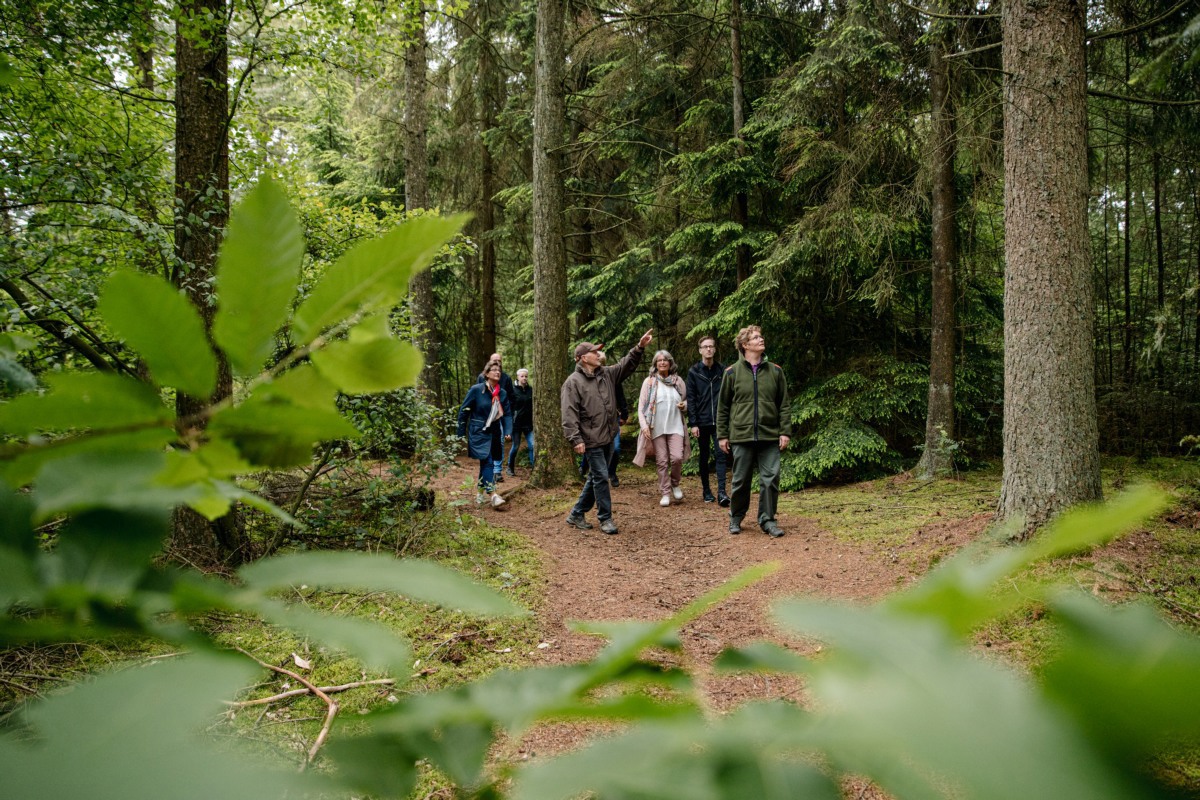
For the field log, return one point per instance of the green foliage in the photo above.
(138, 308)
(898, 697)
(257, 271)
(840, 423)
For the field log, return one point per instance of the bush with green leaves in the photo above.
(898, 696)
(849, 426)
(870, 420)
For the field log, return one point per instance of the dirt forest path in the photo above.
(665, 557)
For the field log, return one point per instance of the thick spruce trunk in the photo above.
(490, 100)
(201, 213)
(938, 459)
(1051, 456)
(550, 343)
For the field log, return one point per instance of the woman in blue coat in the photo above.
(481, 421)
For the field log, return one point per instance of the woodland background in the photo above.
(969, 231)
(833, 171)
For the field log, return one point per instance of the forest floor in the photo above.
(665, 557)
(854, 544)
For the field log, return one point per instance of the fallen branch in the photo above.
(275, 698)
(330, 703)
(18, 685)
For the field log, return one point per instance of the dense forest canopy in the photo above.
(721, 163)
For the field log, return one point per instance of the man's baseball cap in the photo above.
(583, 348)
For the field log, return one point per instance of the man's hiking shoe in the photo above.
(608, 526)
(773, 530)
(735, 526)
(578, 521)
(708, 497)
(499, 477)
(723, 500)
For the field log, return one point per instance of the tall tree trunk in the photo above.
(1108, 300)
(1130, 359)
(143, 44)
(938, 459)
(487, 251)
(1160, 261)
(550, 343)
(582, 256)
(202, 211)
(489, 102)
(1051, 458)
(416, 196)
(1196, 320)
(741, 202)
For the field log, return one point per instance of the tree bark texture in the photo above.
(201, 213)
(938, 459)
(741, 203)
(555, 461)
(1051, 458)
(489, 102)
(416, 196)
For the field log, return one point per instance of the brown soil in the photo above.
(662, 558)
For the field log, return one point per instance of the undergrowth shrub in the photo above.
(853, 425)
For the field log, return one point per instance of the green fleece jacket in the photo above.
(753, 407)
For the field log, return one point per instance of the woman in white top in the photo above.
(661, 406)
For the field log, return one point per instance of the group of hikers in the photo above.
(740, 412)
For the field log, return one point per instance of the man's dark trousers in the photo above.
(763, 456)
(595, 488)
(708, 444)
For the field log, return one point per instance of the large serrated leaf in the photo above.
(90, 556)
(373, 644)
(129, 734)
(373, 275)
(164, 328)
(419, 580)
(106, 479)
(268, 412)
(963, 593)
(17, 548)
(379, 365)
(446, 728)
(681, 759)
(270, 430)
(22, 468)
(303, 386)
(257, 272)
(358, 762)
(904, 705)
(82, 400)
(1132, 679)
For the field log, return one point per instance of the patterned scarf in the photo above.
(497, 409)
(650, 407)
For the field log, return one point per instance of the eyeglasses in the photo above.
(707, 346)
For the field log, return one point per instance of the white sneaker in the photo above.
(666, 500)
(497, 501)
(678, 493)
(480, 498)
